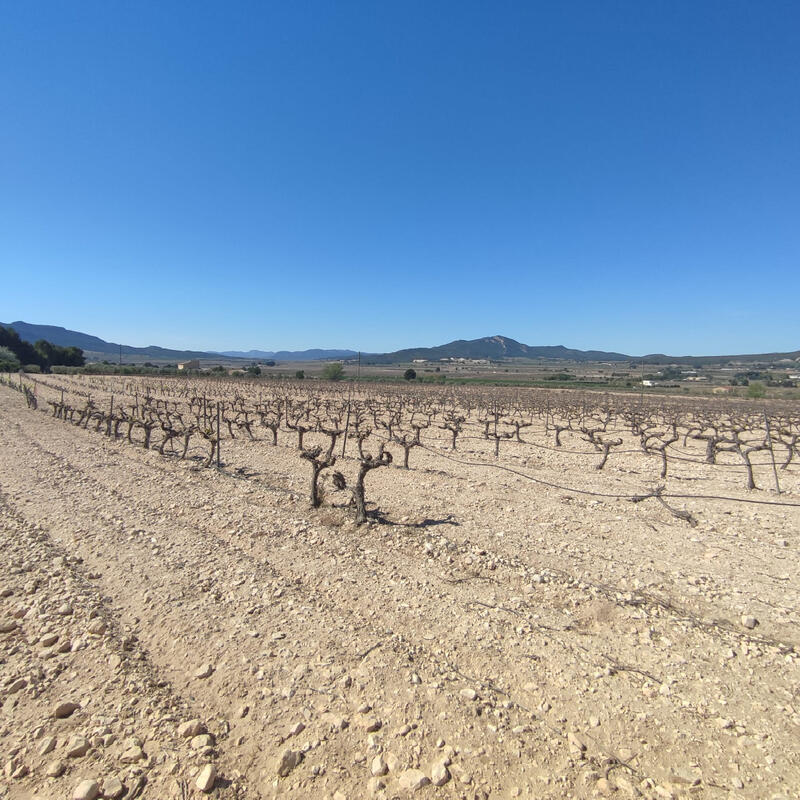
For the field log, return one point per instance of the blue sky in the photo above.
(610, 175)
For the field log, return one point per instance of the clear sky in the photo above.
(376, 175)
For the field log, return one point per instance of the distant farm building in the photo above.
(193, 364)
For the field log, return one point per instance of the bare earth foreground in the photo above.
(165, 627)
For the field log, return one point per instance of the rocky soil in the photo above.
(169, 631)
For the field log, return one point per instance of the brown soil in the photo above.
(504, 638)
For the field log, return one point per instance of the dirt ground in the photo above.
(164, 625)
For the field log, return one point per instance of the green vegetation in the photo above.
(410, 374)
(333, 372)
(8, 360)
(43, 354)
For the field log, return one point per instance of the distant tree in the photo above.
(756, 390)
(410, 374)
(269, 363)
(253, 369)
(24, 351)
(8, 360)
(333, 372)
(300, 374)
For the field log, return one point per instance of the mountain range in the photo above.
(494, 348)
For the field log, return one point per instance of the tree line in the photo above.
(16, 353)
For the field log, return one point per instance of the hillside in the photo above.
(291, 355)
(495, 348)
(95, 347)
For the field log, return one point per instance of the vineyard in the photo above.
(458, 591)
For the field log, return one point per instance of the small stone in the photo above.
(132, 755)
(378, 767)
(202, 740)
(335, 723)
(78, 747)
(594, 722)
(439, 774)
(370, 724)
(64, 710)
(469, 694)
(288, 761)
(18, 684)
(575, 743)
(47, 746)
(64, 610)
(191, 728)
(86, 790)
(18, 770)
(55, 769)
(7, 625)
(48, 639)
(296, 729)
(206, 779)
(113, 789)
(413, 779)
(98, 627)
(749, 622)
(204, 672)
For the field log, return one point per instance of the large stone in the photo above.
(378, 767)
(288, 761)
(413, 779)
(78, 747)
(64, 710)
(191, 728)
(55, 769)
(86, 790)
(206, 779)
(132, 755)
(205, 671)
(439, 774)
(113, 789)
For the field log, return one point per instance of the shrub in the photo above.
(409, 374)
(8, 360)
(333, 372)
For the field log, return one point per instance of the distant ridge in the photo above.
(291, 355)
(93, 345)
(498, 348)
(492, 348)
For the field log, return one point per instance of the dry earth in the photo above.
(490, 638)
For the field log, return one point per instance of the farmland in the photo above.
(547, 594)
